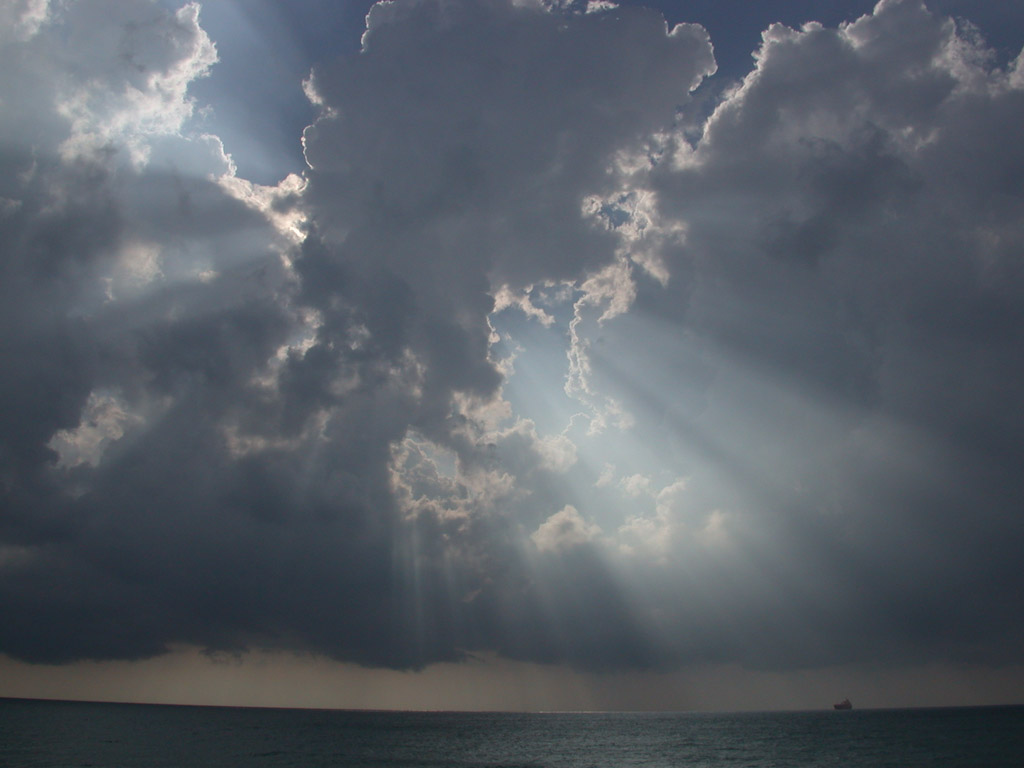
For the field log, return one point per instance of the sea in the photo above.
(99, 735)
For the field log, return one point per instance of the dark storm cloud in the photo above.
(854, 228)
(222, 431)
(199, 442)
(129, 323)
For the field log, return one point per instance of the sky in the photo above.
(512, 354)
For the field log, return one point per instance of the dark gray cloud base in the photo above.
(227, 427)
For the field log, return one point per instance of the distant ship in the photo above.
(844, 704)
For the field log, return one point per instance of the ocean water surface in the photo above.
(73, 734)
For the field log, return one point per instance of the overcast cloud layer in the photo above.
(535, 358)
